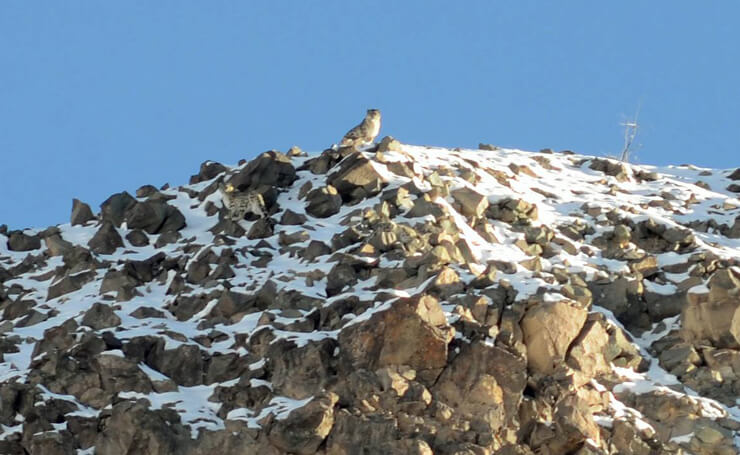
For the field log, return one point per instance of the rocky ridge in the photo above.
(395, 299)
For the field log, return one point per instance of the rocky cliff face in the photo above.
(396, 300)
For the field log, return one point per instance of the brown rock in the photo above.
(472, 203)
(549, 329)
(411, 332)
(304, 429)
(356, 178)
(484, 381)
(81, 213)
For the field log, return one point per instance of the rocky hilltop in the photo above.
(396, 299)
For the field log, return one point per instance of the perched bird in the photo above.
(365, 132)
(239, 204)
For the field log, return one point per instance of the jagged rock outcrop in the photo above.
(393, 299)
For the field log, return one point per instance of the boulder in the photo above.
(411, 332)
(208, 170)
(69, 283)
(586, 354)
(484, 381)
(131, 427)
(100, 316)
(106, 240)
(715, 315)
(81, 213)
(56, 245)
(323, 202)
(271, 168)
(304, 429)
(356, 178)
(549, 329)
(113, 210)
(20, 241)
(300, 372)
(155, 217)
(472, 203)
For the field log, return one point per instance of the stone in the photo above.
(411, 332)
(207, 171)
(130, 427)
(291, 218)
(586, 353)
(137, 237)
(300, 372)
(106, 240)
(717, 316)
(472, 203)
(57, 246)
(20, 241)
(100, 316)
(356, 178)
(549, 329)
(154, 217)
(484, 381)
(388, 144)
(271, 169)
(113, 210)
(305, 429)
(323, 202)
(261, 229)
(81, 213)
(69, 283)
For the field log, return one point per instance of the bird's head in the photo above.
(373, 114)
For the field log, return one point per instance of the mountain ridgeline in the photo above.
(384, 299)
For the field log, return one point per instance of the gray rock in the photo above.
(106, 240)
(137, 237)
(81, 213)
(100, 316)
(305, 428)
(208, 170)
(271, 168)
(323, 202)
(356, 178)
(291, 218)
(113, 209)
(69, 283)
(19, 241)
(57, 246)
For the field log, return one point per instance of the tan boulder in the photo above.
(586, 355)
(549, 329)
(484, 381)
(714, 316)
(305, 428)
(411, 332)
(472, 203)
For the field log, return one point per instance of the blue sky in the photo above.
(101, 97)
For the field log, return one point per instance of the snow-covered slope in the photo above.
(398, 299)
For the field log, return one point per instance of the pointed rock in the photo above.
(106, 240)
(81, 213)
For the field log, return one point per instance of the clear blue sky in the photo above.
(100, 97)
